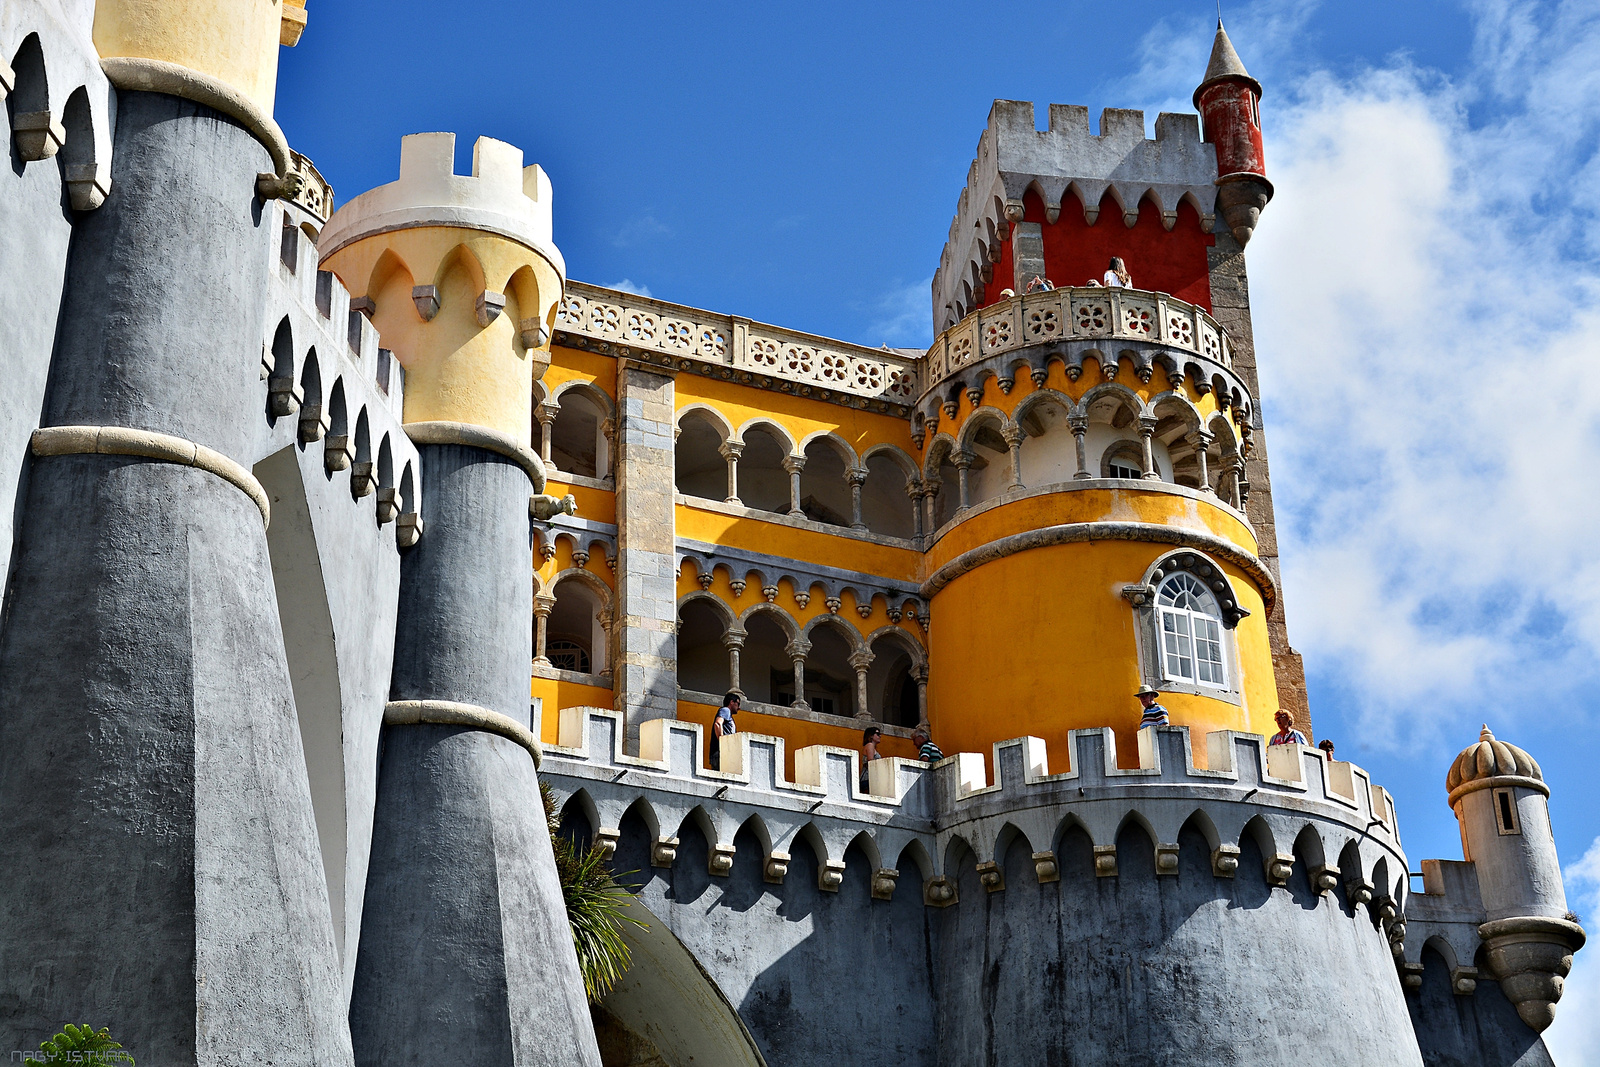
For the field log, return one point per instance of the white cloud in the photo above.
(640, 229)
(899, 316)
(1425, 306)
(1574, 1037)
(628, 285)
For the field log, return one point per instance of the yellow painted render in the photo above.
(557, 695)
(789, 542)
(1089, 505)
(233, 41)
(597, 504)
(799, 416)
(796, 733)
(574, 364)
(722, 588)
(456, 371)
(1042, 643)
(1058, 381)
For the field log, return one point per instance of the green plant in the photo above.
(597, 907)
(70, 1045)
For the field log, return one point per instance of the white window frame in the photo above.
(1149, 640)
(1192, 621)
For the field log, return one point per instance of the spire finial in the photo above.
(1486, 734)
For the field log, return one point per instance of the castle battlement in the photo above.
(499, 196)
(329, 381)
(1294, 804)
(1013, 157)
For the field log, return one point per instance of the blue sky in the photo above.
(1429, 268)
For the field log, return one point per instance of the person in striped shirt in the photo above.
(1154, 713)
(927, 751)
(1287, 734)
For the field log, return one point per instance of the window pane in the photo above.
(1179, 657)
(1208, 650)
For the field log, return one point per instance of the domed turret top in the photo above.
(1490, 758)
(1225, 65)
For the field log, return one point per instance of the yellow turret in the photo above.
(234, 42)
(461, 278)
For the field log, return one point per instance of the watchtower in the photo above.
(1093, 460)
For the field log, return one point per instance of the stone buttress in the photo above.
(160, 847)
(465, 950)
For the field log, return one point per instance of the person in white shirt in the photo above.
(1117, 274)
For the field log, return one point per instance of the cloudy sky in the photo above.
(1426, 283)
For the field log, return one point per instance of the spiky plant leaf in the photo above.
(596, 906)
(82, 1039)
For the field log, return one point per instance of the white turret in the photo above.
(1500, 797)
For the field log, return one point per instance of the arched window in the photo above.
(1191, 632)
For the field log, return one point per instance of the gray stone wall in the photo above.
(646, 661)
(160, 843)
(818, 977)
(1148, 969)
(1478, 1030)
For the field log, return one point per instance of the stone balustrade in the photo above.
(736, 349)
(1076, 314)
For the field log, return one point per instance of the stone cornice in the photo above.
(1081, 532)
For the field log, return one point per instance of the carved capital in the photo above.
(794, 464)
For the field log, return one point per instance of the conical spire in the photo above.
(1225, 65)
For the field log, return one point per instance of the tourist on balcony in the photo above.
(1040, 285)
(1326, 746)
(1117, 274)
(1154, 713)
(722, 726)
(1287, 734)
(927, 751)
(869, 751)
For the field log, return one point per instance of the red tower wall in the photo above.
(1174, 262)
(1232, 119)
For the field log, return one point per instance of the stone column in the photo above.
(962, 460)
(1201, 441)
(794, 465)
(1014, 436)
(731, 451)
(798, 649)
(930, 496)
(857, 477)
(161, 858)
(733, 641)
(1232, 467)
(920, 674)
(546, 413)
(861, 661)
(1147, 432)
(647, 661)
(915, 491)
(1080, 427)
(608, 619)
(542, 604)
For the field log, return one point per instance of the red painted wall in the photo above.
(1231, 113)
(1074, 251)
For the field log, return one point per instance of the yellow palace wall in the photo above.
(1040, 642)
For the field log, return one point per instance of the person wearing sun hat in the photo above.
(1154, 713)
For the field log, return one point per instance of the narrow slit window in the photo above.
(1505, 813)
